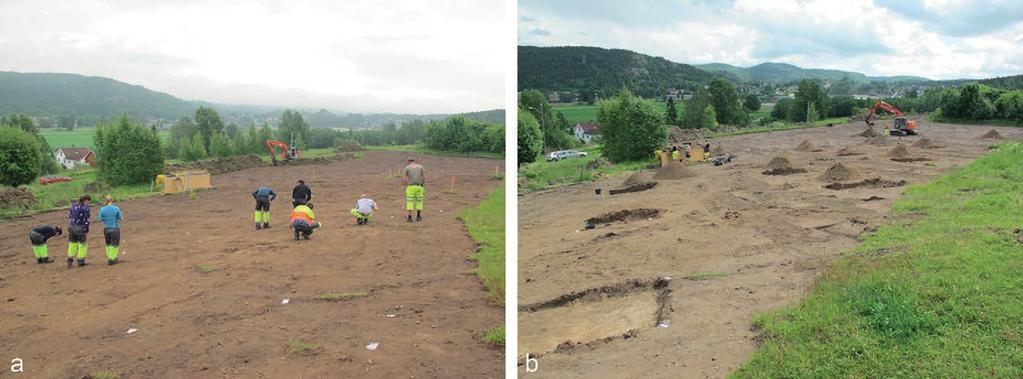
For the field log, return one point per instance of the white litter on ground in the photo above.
(132, 330)
(285, 301)
(372, 346)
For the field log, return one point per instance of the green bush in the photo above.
(19, 157)
(530, 138)
(632, 129)
(127, 153)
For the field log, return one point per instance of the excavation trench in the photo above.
(596, 315)
(624, 215)
(634, 188)
(868, 183)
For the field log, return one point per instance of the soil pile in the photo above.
(16, 197)
(924, 143)
(992, 134)
(899, 151)
(781, 166)
(868, 133)
(637, 178)
(673, 171)
(318, 160)
(805, 146)
(838, 173)
(878, 140)
(846, 151)
(624, 215)
(348, 146)
(220, 166)
(678, 135)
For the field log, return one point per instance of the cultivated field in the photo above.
(205, 292)
(669, 279)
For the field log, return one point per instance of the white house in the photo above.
(71, 157)
(585, 131)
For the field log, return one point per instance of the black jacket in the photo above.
(302, 192)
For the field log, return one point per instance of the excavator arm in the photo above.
(882, 105)
(287, 154)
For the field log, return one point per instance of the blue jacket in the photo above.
(111, 216)
(264, 193)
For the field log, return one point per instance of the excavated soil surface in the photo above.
(838, 172)
(992, 134)
(781, 166)
(869, 183)
(634, 188)
(674, 171)
(924, 143)
(756, 243)
(205, 292)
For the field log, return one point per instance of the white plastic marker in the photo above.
(285, 301)
(372, 346)
(132, 330)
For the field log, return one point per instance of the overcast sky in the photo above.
(937, 39)
(351, 55)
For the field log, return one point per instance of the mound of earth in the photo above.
(672, 171)
(924, 143)
(348, 146)
(16, 197)
(781, 166)
(805, 146)
(846, 151)
(624, 215)
(992, 134)
(868, 133)
(878, 140)
(837, 173)
(318, 160)
(220, 166)
(637, 178)
(677, 135)
(899, 151)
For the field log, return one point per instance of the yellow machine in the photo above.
(184, 181)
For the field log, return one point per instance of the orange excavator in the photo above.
(900, 125)
(288, 153)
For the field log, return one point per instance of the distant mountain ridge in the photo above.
(584, 68)
(97, 98)
(784, 73)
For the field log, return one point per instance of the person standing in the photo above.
(415, 180)
(364, 209)
(38, 236)
(301, 194)
(110, 214)
(78, 230)
(263, 196)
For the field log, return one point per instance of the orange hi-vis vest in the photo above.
(302, 212)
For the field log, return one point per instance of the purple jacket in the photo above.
(79, 216)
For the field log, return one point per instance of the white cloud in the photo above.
(401, 56)
(856, 35)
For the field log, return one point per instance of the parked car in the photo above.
(50, 179)
(564, 154)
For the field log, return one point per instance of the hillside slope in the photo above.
(51, 94)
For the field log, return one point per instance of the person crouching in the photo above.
(303, 221)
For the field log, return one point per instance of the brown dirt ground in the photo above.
(735, 243)
(68, 323)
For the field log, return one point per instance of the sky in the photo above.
(351, 55)
(936, 39)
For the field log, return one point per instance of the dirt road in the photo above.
(670, 290)
(424, 306)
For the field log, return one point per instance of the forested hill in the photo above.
(1007, 82)
(50, 94)
(588, 69)
(787, 73)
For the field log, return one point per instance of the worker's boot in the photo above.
(44, 260)
(258, 226)
(112, 262)
(409, 219)
(70, 261)
(419, 216)
(296, 235)
(266, 225)
(365, 221)
(81, 263)
(305, 236)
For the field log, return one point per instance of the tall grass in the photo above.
(59, 195)
(936, 293)
(542, 174)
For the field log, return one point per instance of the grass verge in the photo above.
(299, 347)
(494, 336)
(420, 149)
(949, 120)
(485, 223)
(936, 293)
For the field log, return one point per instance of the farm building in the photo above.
(585, 131)
(71, 157)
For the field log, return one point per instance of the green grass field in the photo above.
(81, 137)
(542, 174)
(935, 293)
(576, 113)
(59, 195)
(425, 150)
